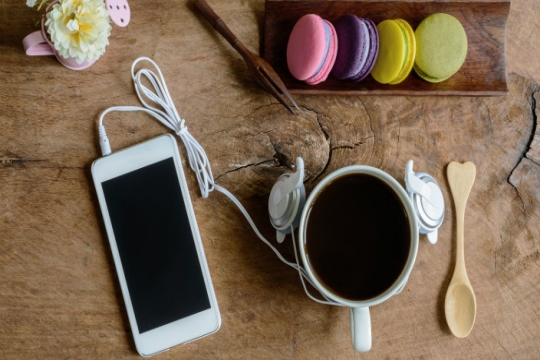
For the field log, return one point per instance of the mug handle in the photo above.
(36, 45)
(360, 328)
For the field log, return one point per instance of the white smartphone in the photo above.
(156, 245)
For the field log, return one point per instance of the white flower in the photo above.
(79, 29)
(30, 3)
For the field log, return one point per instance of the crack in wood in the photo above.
(527, 148)
(329, 142)
(11, 161)
(370, 121)
(280, 157)
(241, 167)
(353, 145)
(533, 130)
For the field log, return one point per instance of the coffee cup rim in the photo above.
(402, 194)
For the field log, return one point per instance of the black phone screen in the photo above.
(156, 245)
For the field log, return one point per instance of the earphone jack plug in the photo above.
(104, 141)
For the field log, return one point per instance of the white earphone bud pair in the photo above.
(288, 196)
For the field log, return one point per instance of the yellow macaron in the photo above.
(410, 51)
(397, 50)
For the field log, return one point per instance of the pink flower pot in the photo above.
(38, 44)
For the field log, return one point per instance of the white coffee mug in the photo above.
(359, 310)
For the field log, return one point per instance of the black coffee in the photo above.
(358, 236)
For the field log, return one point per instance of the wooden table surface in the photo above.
(59, 297)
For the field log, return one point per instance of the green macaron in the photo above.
(441, 47)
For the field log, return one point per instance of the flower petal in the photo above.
(79, 28)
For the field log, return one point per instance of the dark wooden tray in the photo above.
(482, 74)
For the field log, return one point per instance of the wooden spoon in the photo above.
(460, 302)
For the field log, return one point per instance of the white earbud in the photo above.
(427, 200)
(287, 198)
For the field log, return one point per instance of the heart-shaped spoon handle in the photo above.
(461, 178)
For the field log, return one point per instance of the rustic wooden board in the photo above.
(59, 297)
(483, 73)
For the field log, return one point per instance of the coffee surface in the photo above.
(357, 236)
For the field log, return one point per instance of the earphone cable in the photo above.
(303, 277)
(167, 114)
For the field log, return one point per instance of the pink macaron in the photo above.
(312, 49)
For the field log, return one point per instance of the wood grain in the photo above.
(483, 73)
(59, 297)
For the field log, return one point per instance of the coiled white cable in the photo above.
(167, 114)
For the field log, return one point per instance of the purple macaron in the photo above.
(358, 47)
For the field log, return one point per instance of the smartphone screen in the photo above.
(156, 245)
